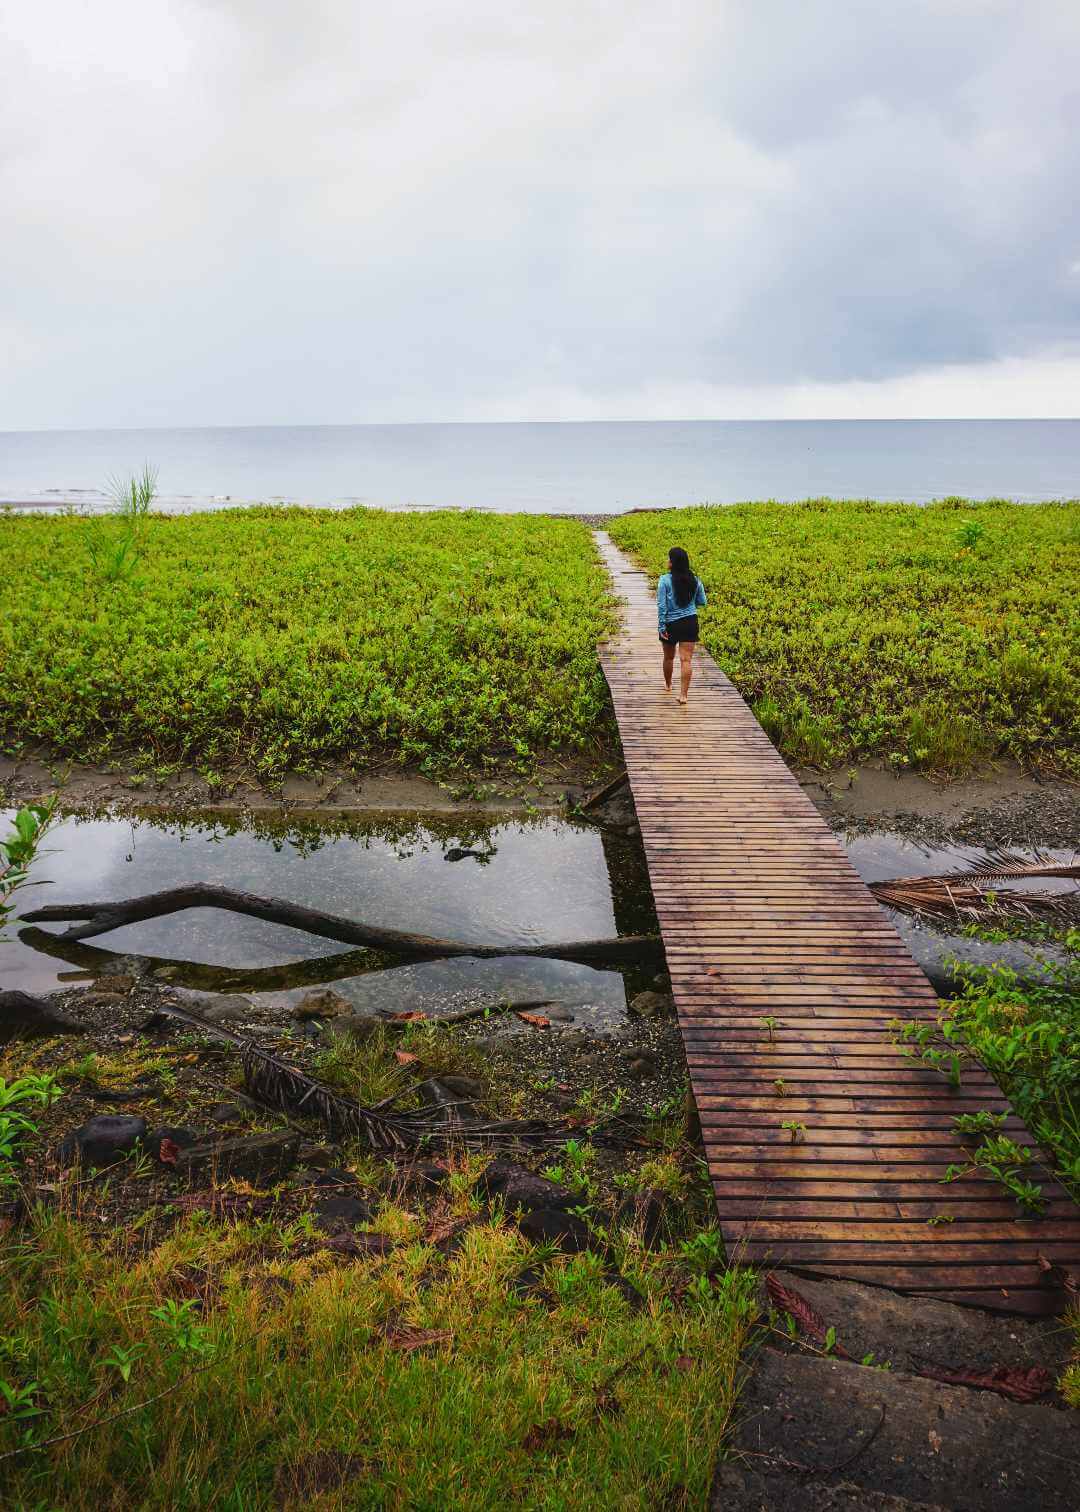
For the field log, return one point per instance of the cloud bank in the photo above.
(237, 213)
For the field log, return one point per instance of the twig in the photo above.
(61, 1438)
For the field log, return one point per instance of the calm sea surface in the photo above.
(556, 468)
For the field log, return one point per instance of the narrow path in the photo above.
(786, 973)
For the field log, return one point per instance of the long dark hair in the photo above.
(683, 581)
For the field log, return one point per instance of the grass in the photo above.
(289, 639)
(258, 1372)
(933, 637)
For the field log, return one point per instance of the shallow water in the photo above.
(521, 880)
(529, 881)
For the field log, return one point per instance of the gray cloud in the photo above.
(240, 212)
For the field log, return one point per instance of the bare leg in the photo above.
(669, 662)
(686, 667)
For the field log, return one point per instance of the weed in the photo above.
(795, 1128)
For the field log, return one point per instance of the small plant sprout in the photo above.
(769, 1024)
(941, 1218)
(795, 1128)
(983, 1122)
(780, 1086)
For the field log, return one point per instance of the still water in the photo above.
(555, 468)
(518, 881)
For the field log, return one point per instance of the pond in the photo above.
(520, 880)
(527, 881)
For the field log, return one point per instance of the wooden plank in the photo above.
(764, 916)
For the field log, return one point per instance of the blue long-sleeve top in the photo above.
(666, 607)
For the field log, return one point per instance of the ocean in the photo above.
(557, 468)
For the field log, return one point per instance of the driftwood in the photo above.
(102, 917)
(974, 896)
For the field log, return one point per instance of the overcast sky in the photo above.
(303, 211)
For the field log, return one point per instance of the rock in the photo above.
(114, 984)
(335, 1213)
(360, 1245)
(574, 1039)
(358, 1026)
(165, 973)
(95, 999)
(557, 1013)
(563, 1230)
(429, 1175)
(460, 1086)
(641, 1062)
(258, 1158)
(26, 1017)
(181, 1137)
(652, 1004)
(102, 1141)
(315, 1157)
(441, 1100)
(335, 1177)
(323, 1004)
(647, 1211)
(529, 1283)
(662, 982)
(226, 1113)
(519, 1188)
(225, 1008)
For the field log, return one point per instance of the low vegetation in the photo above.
(933, 637)
(289, 639)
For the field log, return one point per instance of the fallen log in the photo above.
(102, 917)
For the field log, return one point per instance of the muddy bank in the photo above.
(377, 787)
(1001, 807)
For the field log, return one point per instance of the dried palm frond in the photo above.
(971, 896)
(275, 1083)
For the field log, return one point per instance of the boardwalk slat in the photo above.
(763, 916)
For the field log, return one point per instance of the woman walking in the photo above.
(679, 595)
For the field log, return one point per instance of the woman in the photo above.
(679, 594)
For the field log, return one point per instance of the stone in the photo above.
(429, 1175)
(662, 982)
(315, 1157)
(25, 1017)
(335, 1213)
(95, 999)
(114, 984)
(552, 1227)
(358, 1026)
(574, 1039)
(165, 973)
(557, 1013)
(652, 1004)
(457, 1086)
(102, 1141)
(183, 1138)
(451, 1108)
(226, 1113)
(258, 1158)
(322, 1004)
(641, 1063)
(519, 1188)
(646, 1211)
(225, 1008)
(335, 1177)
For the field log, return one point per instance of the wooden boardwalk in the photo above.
(764, 917)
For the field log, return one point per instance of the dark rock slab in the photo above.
(653, 1005)
(259, 1158)
(519, 1188)
(466, 1087)
(563, 1230)
(323, 1003)
(335, 1178)
(822, 1433)
(898, 1329)
(427, 1175)
(25, 1017)
(102, 1141)
(333, 1214)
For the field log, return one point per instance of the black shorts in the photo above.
(683, 629)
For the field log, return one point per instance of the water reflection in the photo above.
(527, 881)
